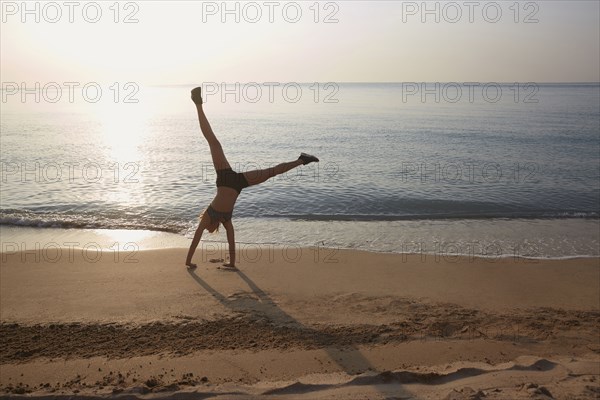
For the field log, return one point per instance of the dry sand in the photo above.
(298, 323)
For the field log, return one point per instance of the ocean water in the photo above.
(507, 169)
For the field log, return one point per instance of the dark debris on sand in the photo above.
(20, 343)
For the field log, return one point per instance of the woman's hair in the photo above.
(210, 219)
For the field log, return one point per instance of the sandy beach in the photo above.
(310, 323)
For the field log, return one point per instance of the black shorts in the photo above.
(230, 178)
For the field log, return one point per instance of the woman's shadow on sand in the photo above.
(348, 358)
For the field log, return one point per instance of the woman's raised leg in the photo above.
(216, 151)
(260, 175)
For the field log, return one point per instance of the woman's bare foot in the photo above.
(229, 266)
(197, 95)
(191, 265)
(307, 158)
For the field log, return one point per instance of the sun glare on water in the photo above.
(124, 129)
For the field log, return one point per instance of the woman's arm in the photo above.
(195, 241)
(231, 240)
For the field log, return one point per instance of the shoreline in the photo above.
(15, 239)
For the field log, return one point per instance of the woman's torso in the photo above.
(225, 199)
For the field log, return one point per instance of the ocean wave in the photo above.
(88, 220)
(27, 218)
(454, 216)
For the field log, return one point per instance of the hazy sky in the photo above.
(187, 42)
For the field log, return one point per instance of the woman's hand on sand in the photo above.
(191, 265)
